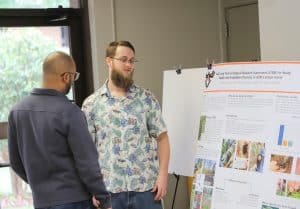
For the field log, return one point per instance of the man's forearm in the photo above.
(163, 148)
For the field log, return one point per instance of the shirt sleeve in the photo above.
(86, 157)
(155, 122)
(14, 155)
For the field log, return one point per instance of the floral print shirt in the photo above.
(125, 132)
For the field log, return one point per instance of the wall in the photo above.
(279, 31)
(165, 34)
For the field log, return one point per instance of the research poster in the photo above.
(248, 145)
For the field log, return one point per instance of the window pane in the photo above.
(22, 53)
(14, 193)
(21, 4)
(3, 151)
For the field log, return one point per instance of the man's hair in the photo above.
(56, 60)
(112, 47)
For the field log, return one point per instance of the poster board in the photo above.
(181, 111)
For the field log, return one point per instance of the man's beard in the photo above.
(120, 80)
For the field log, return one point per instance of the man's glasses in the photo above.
(76, 75)
(124, 60)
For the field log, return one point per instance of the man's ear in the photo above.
(65, 77)
(108, 61)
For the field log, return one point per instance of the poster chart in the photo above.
(248, 146)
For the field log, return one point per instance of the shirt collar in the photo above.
(105, 91)
(50, 92)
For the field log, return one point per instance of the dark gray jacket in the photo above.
(50, 148)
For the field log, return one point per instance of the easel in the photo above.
(176, 186)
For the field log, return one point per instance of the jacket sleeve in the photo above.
(86, 157)
(14, 153)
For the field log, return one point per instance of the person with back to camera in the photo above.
(126, 124)
(50, 147)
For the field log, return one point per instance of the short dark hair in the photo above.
(112, 47)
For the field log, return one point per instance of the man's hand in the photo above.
(160, 186)
(96, 203)
(163, 151)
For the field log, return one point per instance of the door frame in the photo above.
(226, 24)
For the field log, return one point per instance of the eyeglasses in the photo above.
(124, 60)
(76, 75)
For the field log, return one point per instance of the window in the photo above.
(27, 36)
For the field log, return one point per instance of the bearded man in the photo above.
(128, 129)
